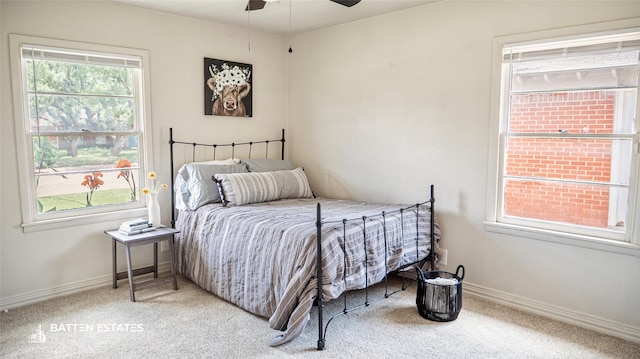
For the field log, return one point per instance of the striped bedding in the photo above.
(262, 257)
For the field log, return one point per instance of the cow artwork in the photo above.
(227, 88)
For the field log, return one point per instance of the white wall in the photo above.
(40, 264)
(381, 108)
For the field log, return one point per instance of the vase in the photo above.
(154, 209)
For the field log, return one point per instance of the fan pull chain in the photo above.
(249, 26)
(290, 49)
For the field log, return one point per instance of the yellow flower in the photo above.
(154, 187)
(145, 191)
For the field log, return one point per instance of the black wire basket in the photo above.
(439, 302)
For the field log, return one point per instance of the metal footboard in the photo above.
(322, 327)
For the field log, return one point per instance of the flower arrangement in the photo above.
(228, 76)
(128, 176)
(93, 182)
(153, 188)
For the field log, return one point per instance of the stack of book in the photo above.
(136, 226)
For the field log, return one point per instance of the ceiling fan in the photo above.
(259, 4)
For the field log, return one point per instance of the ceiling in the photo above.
(306, 15)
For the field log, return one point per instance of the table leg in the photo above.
(173, 263)
(130, 273)
(115, 265)
(155, 260)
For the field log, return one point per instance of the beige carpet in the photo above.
(190, 322)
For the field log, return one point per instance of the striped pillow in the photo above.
(237, 189)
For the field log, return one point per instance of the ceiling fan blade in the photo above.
(347, 3)
(255, 5)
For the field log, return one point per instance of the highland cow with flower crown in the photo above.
(230, 86)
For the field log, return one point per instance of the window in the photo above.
(568, 135)
(80, 115)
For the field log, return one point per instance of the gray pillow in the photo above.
(195, 185)
(267, 165)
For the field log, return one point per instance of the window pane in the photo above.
(565, 203)
(62, 113)
(584, 72)
(593, 112)
(580, 159)
(71, 78)
(62, 165)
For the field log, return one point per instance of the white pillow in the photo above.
(194, 186)
(237, 189)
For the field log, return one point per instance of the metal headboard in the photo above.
(215, 147)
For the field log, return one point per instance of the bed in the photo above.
(253, 233)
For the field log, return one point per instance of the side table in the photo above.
(152, 237)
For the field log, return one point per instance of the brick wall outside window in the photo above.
(570, 159)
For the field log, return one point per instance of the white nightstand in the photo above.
(153, 237)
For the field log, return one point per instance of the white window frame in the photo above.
(31, 220)
(630, 243)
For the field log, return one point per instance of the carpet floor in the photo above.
(189, 322)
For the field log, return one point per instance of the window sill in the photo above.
(83, 220)
(565, 238)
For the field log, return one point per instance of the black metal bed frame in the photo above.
(322, 328)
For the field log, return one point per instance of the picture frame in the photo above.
(228, 88)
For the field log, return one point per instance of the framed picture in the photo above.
(227, 88)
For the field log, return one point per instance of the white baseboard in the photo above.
(63, 290)
(561, 314)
